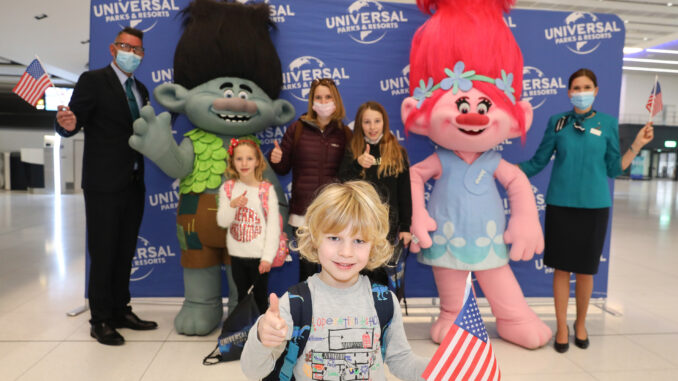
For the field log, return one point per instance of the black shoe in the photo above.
(583, 344)
(105, 334)
(562, 348)
(132, 321)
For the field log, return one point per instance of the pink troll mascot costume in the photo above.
(468, 68)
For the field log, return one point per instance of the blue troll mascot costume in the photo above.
(227, 78)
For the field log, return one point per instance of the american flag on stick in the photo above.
(33, 83)
(654, 103)
(466, 352)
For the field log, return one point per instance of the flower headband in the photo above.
(234, 143)
(459, 79)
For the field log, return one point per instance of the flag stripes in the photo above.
(466, 352)
(33, 83)
(465, 358)
(655, 103)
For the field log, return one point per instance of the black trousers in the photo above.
(245, 274)
(113, 221)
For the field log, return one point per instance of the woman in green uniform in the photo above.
(586, 147)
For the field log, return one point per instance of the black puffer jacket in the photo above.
(314, 159)
(395, 189)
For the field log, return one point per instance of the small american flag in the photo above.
(655, 104)
(466, 352)
(33, 83)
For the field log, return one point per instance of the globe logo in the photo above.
(583, 32)
(397, 85)
(308, 64)
(538, 87)
(142, 15)
(361, 6)
(582, 47)
(303, 70)
(366, 21)
(147, 257)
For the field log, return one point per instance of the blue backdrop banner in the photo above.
(363, 45)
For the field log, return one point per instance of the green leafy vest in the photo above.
(209, 162)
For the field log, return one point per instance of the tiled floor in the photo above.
(42, 277)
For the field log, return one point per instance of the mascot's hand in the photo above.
(422, 223)
(152, 134)
(526, 238)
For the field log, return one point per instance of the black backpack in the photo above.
(301, 309)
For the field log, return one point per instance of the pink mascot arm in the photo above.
(524, 230)
(422, 223)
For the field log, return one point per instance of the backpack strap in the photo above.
(264, 188)
(383, 303)
(228, 187)
(301, 309)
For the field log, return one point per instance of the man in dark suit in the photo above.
(105, 102)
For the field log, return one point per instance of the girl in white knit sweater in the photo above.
(253, 228)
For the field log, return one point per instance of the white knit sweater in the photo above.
(250, 235)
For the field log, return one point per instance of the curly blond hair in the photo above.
(355, 205)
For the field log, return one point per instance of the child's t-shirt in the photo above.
(344, 339)
(250, 235)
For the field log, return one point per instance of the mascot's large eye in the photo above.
(243, 95)
(463, 106)
(484, 106)
(229, 93)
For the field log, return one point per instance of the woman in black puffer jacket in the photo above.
(312, 148)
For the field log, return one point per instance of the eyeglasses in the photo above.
(322, 81)
(125, 47)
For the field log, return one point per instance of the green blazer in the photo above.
(583, 161)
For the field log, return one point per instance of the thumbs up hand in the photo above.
(272, 329)
(240, 201)
(276, 154)
(366, 160)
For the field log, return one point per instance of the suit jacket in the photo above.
(100, 106)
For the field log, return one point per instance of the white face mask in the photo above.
(375, 141)
(324, 110)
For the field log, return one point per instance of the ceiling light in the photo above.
(631, 50)
(667, 62)
(669, 4)
(652, 69)
(645, 38)
(666, 51)
(626, 21)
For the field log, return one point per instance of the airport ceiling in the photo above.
(58, 32)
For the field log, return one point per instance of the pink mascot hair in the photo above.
(472, 31)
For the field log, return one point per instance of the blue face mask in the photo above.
(127, 61)
(583, 100)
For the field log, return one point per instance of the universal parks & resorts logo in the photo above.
(538, 87)
(583, 32)
(148, 257)
(140, 14)
(366, 21)
(278, 12)
(398, 84)
(301, 72)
